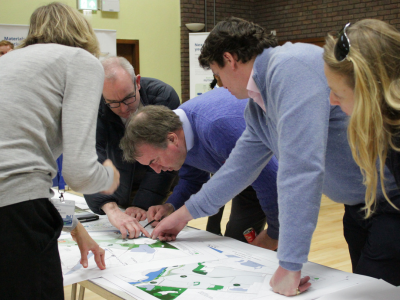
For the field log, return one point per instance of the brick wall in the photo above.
(296, 19)
(292, 19)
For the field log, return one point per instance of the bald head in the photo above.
(121, 86)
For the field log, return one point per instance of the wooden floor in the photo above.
(328, 246)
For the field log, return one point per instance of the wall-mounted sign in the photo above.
(200, 79)
(87, 4)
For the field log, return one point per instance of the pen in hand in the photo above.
(150, 223)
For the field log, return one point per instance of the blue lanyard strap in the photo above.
(60, 179)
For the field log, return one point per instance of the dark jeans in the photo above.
(30, 266)
(374, 243)
(246, 212)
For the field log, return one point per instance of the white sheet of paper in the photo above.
(374, 290)
(140, 253)
(242, 272)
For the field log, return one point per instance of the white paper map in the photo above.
(119, 253)
(237, 274)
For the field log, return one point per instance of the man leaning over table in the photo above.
(288, 115)
(196, 139)
(140, 187)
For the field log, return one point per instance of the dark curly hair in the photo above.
(236, 36)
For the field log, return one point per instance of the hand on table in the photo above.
(286, 282)
(86, 244)
(168, 229)
(126, 224)
(115, 184)
(157, 212)
(263, 240)
(136, 212)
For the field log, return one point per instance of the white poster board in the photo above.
(200, 79)
(16, 33)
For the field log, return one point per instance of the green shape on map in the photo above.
(199, 270)
(164, 292)
(216, 288)
(157, 244)
(236, 284)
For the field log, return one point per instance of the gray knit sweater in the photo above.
(49, 96)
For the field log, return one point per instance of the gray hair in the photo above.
(149, 125)
(112, 62)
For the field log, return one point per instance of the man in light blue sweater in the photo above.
(208, 129)
(289, 116)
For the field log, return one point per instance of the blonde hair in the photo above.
(372, 70)
(6, 43)
(61, 24)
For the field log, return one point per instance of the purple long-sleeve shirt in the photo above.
(212, 123)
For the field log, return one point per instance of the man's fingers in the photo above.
(154, 224)
(304, 284)
(123, 231)
(150, 213)
(132, 230)
(159, 215)
(146, 233)
(304, 280)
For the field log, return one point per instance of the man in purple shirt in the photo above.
(199, 137)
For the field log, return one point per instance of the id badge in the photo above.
(66, 208)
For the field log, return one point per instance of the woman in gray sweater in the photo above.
(49, 93)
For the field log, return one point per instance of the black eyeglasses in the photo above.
(127, 100)
(342, 47)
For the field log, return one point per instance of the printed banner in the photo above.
(16, 33)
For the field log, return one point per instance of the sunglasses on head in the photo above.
(342, 47)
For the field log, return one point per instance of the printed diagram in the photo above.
(122, 252)
(119, 252)
(234, 273)
(242, 261)
(173, 281)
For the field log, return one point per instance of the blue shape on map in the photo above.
(216, 249)
(148, 287)
(144, 248)
(251, 264)
(150, 276)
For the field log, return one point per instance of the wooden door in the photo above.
(130, 50)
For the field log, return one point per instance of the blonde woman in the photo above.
(362, 67)
(49, 93)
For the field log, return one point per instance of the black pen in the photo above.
(150, 223)
(89, 219)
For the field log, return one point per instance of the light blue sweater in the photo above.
(295, 129)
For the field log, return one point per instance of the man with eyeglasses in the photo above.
(140, 187)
